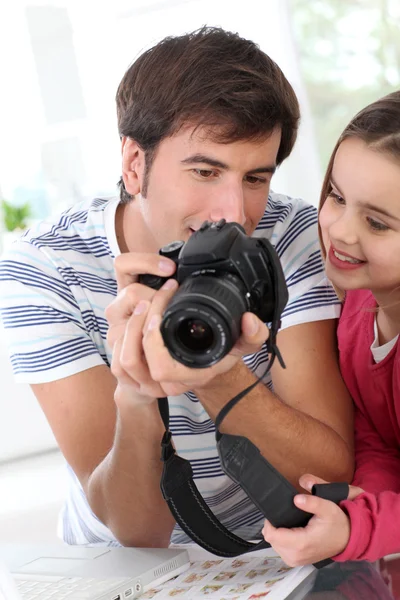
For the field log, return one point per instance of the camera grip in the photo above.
(172, 252)
(153, 281)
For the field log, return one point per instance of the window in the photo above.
(349, 55)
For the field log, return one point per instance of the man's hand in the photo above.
(127, 314)
(325, 535)
(171, 377)
(141, 362)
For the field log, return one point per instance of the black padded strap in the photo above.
(188, 506)
(194, 516)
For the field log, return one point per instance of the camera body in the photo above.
(222, 273)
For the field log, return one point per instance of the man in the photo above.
(204, 121)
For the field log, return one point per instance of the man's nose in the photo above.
(229, 205)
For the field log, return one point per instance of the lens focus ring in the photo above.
(202, 321)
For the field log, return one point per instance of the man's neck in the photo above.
(131, 231)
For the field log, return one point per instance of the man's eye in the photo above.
(204, 173)
(253, 180)
(376, 225)
(336, 198)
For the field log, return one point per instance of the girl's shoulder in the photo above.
(358, 304)
(356, 321)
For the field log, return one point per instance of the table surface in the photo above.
(357, 581)
(341, 581)
(337, 581)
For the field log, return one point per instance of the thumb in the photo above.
(307, 481)
(312, 504)
(253, 335)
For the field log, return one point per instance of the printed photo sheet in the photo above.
(260, 574)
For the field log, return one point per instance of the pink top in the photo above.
(375, 389)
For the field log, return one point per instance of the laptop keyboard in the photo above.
(52, 587)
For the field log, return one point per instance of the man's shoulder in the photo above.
(286, 214)
(79, 229)
(74, 240)
(291, 225)
(80, 218)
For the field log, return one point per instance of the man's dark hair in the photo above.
(210, 78)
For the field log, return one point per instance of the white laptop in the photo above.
(80, 573)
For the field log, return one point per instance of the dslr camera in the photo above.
(222, 273)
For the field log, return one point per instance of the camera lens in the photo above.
(195, 334)
(202, 322)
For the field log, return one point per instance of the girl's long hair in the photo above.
(378, 125)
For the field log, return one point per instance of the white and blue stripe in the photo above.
(55, 284)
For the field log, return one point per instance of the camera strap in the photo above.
(242, 461)
(270, 492)
(188, 506)
(180, 492)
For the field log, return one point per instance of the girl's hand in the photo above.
(325, 535)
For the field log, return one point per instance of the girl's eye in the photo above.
(376, 225)
(336, 198)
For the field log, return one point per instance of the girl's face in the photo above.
(360, 221)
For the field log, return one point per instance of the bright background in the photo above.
(60, 65)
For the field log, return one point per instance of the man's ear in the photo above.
(133, 165)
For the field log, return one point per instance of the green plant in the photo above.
(15, 217)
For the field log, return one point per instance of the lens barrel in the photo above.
(203, 319)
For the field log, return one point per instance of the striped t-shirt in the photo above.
(55, 284)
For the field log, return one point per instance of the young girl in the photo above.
(360, 230)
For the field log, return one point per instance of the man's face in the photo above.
(194, 179)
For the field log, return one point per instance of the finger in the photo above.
(122, 307)
(162, 366)
(320, 507)
(131, 264)
(114, 333)
(254, 334)
(131, 355)
(354, 491)
(307, 481)
(281, 537)
(117, 370)
(268, 530)
(161, 299)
